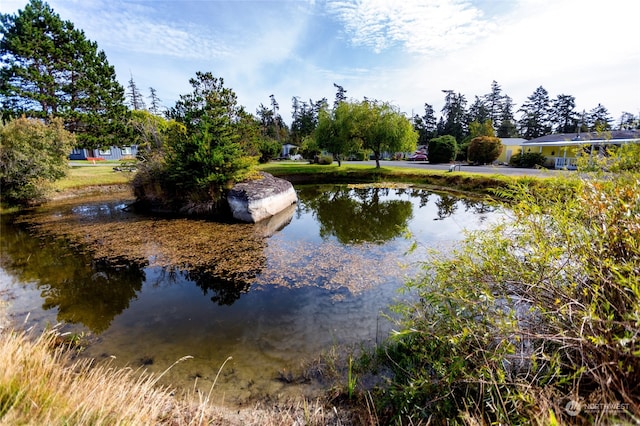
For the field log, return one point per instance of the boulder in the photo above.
(261, 198)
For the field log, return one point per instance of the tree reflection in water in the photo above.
(357, 215)
(226, 290)
(90, 261)
(83, 290)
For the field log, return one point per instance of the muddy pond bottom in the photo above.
(318, 285)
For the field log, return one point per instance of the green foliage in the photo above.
(383, 128)
(476, 129)
(32, 153)
(484, 149)
(325, 160)
(617, 159)
(269, 149)
(202, 156)
(334, 131)
(536, 113)
(527, 159)
(149, 131)
(532, 313)
(49, 68)
(368, 125)
(442, 149)
(309, 148)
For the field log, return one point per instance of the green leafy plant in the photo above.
(484, 149)
(527, 159)
(352, 379)
(537, 311)
(442, 149)
(32, 154)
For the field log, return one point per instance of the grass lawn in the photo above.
(92, 175)
(298, 172)
(84, 174)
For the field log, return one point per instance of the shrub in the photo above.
(325, 159)
(535, 313)
(202, 156)
(32, 154)
(309, 148)
(484, 149)
(269, 149)
(442, 149)
(527, 160)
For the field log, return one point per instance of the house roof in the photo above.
(599, 138)
(512, 141)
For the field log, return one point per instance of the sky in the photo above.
(405, 52)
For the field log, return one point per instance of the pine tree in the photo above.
(455, 113)
(136, 100)
(598, 119)
(341, 95)
(535, 122)
(155, 107)
(48, 68)
(563, 114)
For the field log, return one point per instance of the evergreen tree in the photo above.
(455, 121)
(136, 100)
(598, 119)
(341, 95)
(426, 125)
(493, 103)
(479, 111)
(209, 158)
(507, 127)
(271, 122)
(304, 118)
(48, 68)
(156, 103)
(628, 121)
(563, 114)
(535, 122)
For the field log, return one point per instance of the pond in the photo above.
(269, 299)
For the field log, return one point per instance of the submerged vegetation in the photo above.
(534, 320)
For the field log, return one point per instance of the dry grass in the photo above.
(40, 383)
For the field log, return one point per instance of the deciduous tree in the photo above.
(32, 153)
(383, 128)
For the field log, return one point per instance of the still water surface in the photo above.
(147, 291)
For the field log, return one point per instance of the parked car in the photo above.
(418, 156)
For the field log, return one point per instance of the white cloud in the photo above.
(419, 26)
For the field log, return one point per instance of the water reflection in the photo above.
(79, 288)
(271, 296)
(356, 215)
(224, 291)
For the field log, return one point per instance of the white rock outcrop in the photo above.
(259, 199)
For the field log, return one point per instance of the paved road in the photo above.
(501, 170)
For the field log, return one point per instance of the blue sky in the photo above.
(401, 51)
